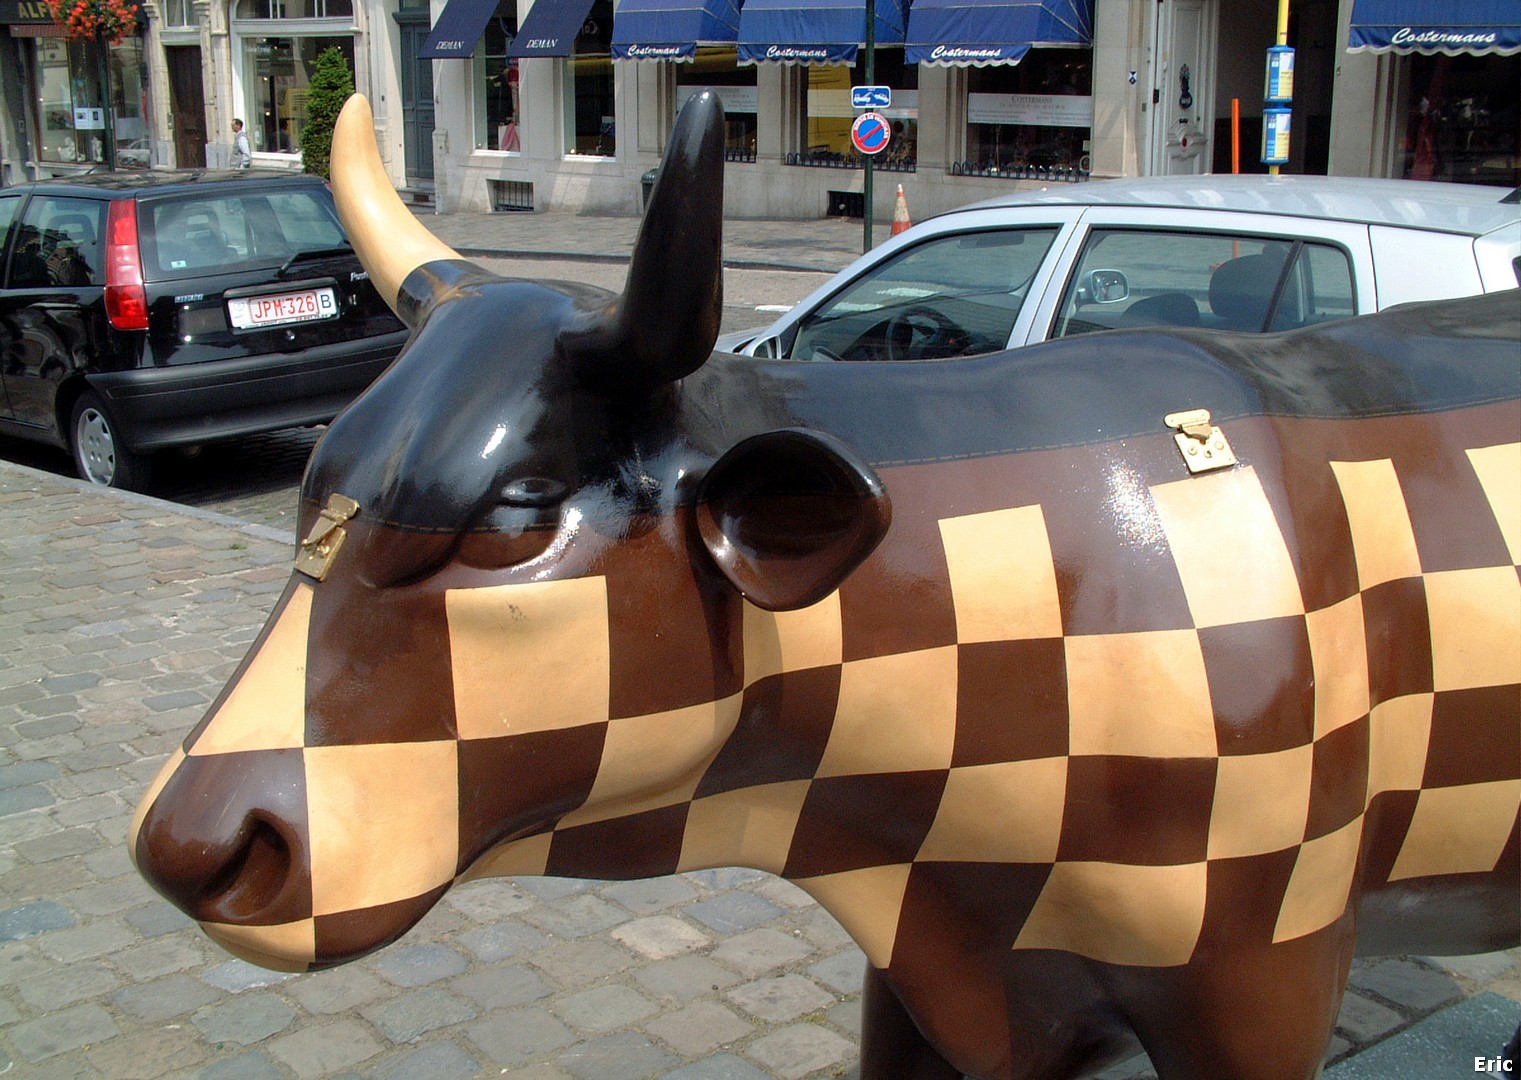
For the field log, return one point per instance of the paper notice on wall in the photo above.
(1031, 110)
(735, 99)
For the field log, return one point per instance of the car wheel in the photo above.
(99, 454)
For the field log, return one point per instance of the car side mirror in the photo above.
(1103, 287)
(766, 348)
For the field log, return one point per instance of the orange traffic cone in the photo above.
(901, 223)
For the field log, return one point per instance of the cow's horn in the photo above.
(664, 325)
(388, 238)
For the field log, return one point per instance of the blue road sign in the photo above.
(870, 133)
(871, 97)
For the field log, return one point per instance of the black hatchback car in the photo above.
(150, 310)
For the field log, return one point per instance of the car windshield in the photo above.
(238, 230)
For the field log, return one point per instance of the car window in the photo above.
(1134, 277)
(956, 295)
(58, 243)
(183, 237)
(8, 207)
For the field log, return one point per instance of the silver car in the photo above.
(1248, 253)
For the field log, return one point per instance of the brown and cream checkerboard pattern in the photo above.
(1241, 719)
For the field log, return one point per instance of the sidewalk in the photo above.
(120, 618)
(825, 245)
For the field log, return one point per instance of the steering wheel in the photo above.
(915, 333)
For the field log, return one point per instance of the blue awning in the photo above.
(1433, 26)
(550, 28)
(458, 30)
(979, 32)
(672, 29)
(813, 31)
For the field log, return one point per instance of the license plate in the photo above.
(282, 309)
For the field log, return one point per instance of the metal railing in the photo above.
(830, 159)
(1008, 170)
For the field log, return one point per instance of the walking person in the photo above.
(242, 153)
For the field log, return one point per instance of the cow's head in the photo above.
(531, 554)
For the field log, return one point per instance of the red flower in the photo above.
(112, 20)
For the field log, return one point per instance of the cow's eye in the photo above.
(519, 527)
(533, 491)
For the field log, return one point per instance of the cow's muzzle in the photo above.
(223, 838)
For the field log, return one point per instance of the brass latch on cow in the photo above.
(321, 545)
(1203, 445)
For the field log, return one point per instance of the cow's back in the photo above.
(1296, 679)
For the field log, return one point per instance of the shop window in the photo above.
(294, 9)
(74, 116)
(498, 104)
(1464, 119)
(589, 121)
(276, 76)
(716, 68)
(827, 140)
(129, 105)
(1034, 118)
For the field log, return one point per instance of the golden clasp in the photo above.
(321, 545)
(1202, 444)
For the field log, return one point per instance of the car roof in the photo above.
(162, 181)
(1455, 208)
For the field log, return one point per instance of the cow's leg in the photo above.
(891, 1046)
(1258, 1014)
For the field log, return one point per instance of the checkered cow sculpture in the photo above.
(1087, 749)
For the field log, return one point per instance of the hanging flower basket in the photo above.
(112, 21)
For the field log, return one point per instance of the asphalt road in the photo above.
(256, 478)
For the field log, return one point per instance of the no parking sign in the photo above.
(870, 133)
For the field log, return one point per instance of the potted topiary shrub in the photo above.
(331, 85)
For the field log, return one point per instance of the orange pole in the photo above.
(1235, 134)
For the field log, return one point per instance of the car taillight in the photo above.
(126, 300)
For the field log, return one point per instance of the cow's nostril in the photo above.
(253, 880)
(224, 838)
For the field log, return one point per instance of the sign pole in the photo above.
(871, 79)
(1283, 40)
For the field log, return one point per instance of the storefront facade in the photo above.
(1442, 83)
(566, 104)
(576, 114)
(68, 108)
(984, 100)
(177, 84)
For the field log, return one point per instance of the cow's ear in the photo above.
(663, 326)
(787, 516)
